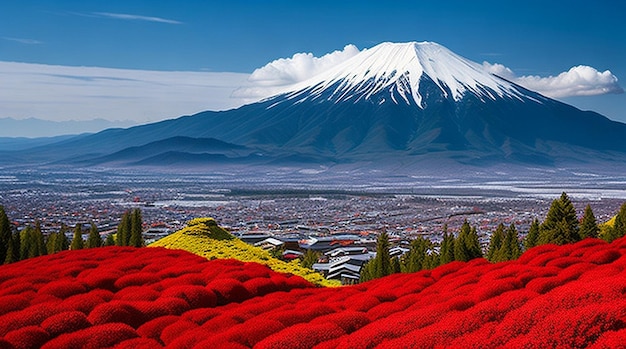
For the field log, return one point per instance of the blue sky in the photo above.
(532, 38)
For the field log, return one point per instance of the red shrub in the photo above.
(176, 329)
(543, 285)
(228, 290)
(304, 313)
(116, 312)
(86, 302)
(12, 303)
(186, 279)
(349, 321)
(138, 343)
(27, 337)
(259, 286)
(361, 302)
(137, 293)
(31, 316)
(605, 256)
(202, 315)
(301, 336)
(154, 327)
(195, 296)
(63, 288)
(103, 278)
(136, 279)
(66, 322)
(98, 336)
(250, 332)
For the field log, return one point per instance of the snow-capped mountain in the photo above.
(414, 104)
(399, 68)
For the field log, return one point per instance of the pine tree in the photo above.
(77, 241)
(610, 233)
(110, 241)
(136, 231)
(446, 250)
(531, 238)
(94, 239)
(561, 224)
(13, 252)
(619, 228)
(51, 243)
(495, 242)
(39, 240)
(310, 257)
(472, 244)
(382, 265)
(29, 243)
(395, 265)
(124, 229)
(511, 248)
(62, 243)
(415, 259)
(461, 252)
(589, 226)
(5, 234)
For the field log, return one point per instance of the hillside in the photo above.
(205, 238)
(553, 296)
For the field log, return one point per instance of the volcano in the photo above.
(413, 103)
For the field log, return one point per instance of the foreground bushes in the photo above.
(552, 296)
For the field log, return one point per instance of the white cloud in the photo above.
(580, 80)
(84, 93)
(129, 17)
(24, 41)
(274, 76)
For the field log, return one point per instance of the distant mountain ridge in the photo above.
(36, 128)
(414, 104)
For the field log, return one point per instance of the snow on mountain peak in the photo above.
(400, 67)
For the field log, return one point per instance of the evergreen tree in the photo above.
(395, 265)
(51, 243)
(415, 259)
(511, 248)
(365, 273)
(446, 250)
(619, 228)
(5, 234)
(382, 265)
(94, 239)
(13, 252)
(124, 229)
(62, 243)
(77, 241)
(472, 244)
(39, 240)
(310, 257)
(561, 224)
(533, 235)
(136, 231)
(466, 245)
(29, 243)
(495, 242)
(610, 233)
(110, 241)
(589, 226)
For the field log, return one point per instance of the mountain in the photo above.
(35, 128)
(414, 104)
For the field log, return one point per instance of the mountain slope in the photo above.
(412, 103)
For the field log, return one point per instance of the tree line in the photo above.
(561, 226)
(30, 241)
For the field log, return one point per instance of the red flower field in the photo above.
(553, 296)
